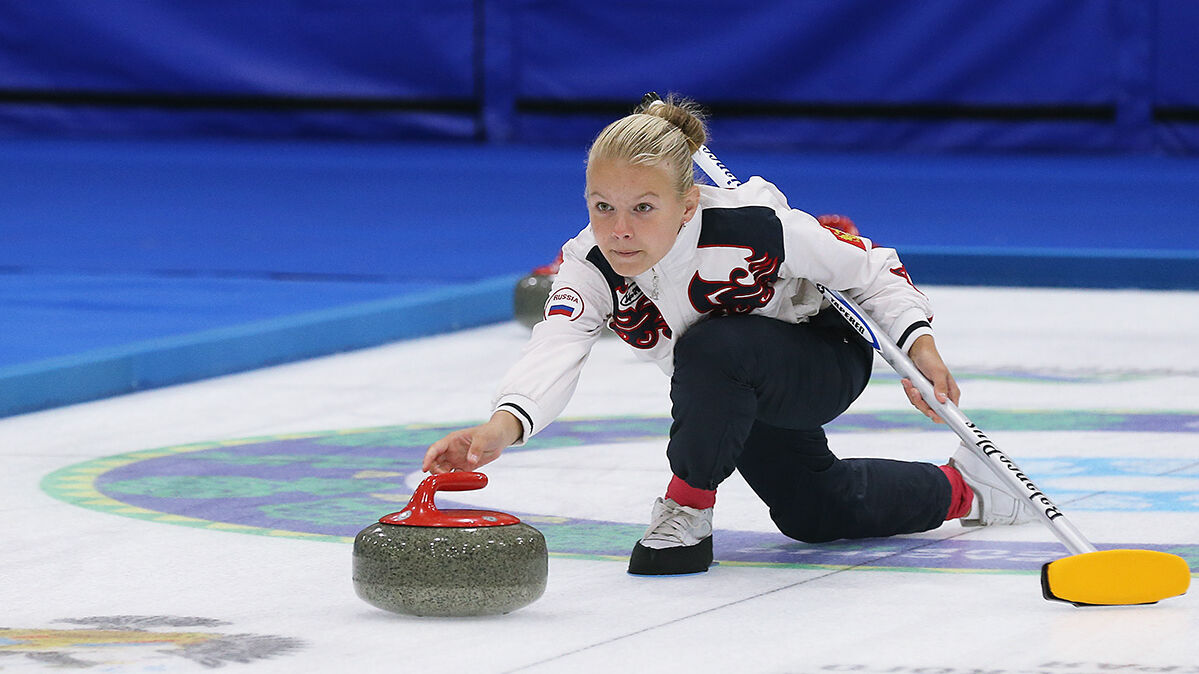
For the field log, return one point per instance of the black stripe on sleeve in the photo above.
(911, 328)
(521, 411)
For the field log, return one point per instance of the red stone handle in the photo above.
(422, 511)
(422, 499)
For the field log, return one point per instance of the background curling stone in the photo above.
(529, 298)
(531, 293)
(429, 562)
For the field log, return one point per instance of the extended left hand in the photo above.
(924, 354)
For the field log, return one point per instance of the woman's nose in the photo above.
(621, 227)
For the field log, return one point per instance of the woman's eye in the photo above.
(643, 208)
(602, 206)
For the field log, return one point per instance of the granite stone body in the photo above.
(529, 298)
(450, 571)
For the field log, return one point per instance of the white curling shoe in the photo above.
(678, 540)
(993, 501)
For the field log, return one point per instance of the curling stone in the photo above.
(529, 298)
(531, 295)
(429, 562)
(533, 291)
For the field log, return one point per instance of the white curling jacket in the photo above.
(744, 251)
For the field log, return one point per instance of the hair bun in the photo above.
(684, 113)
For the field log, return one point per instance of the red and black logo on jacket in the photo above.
(635, 319)
(755, 235)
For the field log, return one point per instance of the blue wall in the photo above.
(1021, 75)
(154, 231)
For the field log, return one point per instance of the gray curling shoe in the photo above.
(678, 541)
(993, 502)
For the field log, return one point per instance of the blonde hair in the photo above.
(665, 134)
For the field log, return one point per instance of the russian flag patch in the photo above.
(564, 302)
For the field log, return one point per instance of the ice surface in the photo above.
(285, 604)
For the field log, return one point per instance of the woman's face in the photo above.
(635, 213)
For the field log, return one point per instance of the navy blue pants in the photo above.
(752, 394)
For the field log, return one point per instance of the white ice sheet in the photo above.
(1130, 351)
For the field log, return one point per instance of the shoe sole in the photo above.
(671, 561)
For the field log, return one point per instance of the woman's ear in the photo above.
(690, 203)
